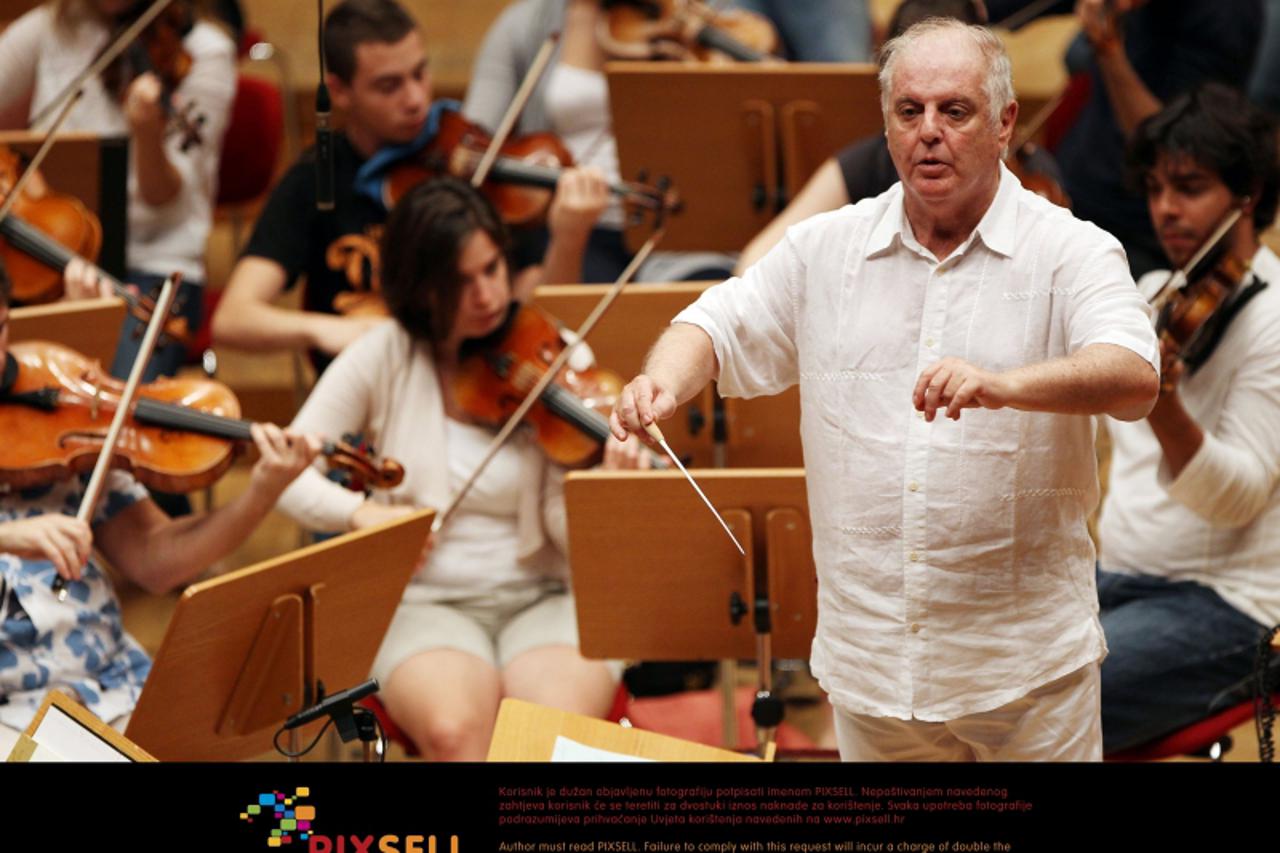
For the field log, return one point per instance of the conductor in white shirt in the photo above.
(951, 338)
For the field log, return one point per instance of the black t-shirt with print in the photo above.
(336, 250)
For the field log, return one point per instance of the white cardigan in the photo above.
(385, 386)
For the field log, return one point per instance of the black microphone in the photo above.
(324, 133)
(338, 701)
(324, 150)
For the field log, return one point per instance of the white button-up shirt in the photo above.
(955, 569)
(1218, 522)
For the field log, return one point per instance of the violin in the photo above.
(56, 405)
(522, 179)
(1198, 302)
(42, 235)
(570, 420)
(684, 30)
(159, 50)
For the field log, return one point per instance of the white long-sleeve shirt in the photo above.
(955, 569)
(1218, 522)
(39, 56)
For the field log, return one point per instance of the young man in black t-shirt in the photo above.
(380, 83)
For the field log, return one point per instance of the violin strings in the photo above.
(182, 417)
(564, 403)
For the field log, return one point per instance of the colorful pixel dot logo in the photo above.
(283, 816)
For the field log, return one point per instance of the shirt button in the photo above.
(913, 486)
(915, 627)
(920, 415)
(913, 557)
(930, 343)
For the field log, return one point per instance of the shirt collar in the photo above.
(997, 228)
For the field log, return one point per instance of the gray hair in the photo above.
(997, 82)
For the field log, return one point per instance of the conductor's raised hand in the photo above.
(954, 384)
(642, 402)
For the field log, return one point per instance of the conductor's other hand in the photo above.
(953, 384)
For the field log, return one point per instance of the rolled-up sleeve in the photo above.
(1232, 476)
(752, 324)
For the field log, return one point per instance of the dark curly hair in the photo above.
(1219, 129)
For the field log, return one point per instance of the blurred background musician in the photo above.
(1139, 54)
(571, 101)
(171, 187)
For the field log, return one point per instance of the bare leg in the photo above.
(446, 701)
(559, 677)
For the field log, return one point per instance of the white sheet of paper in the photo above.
(65, 738)
(571, 750)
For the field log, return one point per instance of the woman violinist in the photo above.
(488, 613)
(171, 184)
(571, 101)
(79, 644)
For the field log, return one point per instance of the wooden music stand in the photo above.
(89, 326)
(760, 433)
(527, 732)
(244, 651)
(765, 129)
(683, 593)
(656, 581)
(94, 169)
(65, 730)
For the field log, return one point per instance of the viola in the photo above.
(56, 406)
(159, 50)
(570, 420)
(684, 30)
(522, 179)
(43, 233)
(1196, 315)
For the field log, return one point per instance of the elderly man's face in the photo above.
(939, 127)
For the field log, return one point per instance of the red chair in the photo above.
(251, 147)
(692, 715)
(1208, 738)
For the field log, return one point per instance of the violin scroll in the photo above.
(378, 474)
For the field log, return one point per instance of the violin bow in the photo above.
(531, 79)
(552, 370)
(93, 492)
(15, 192)
(104, 59)
(1178, 279)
